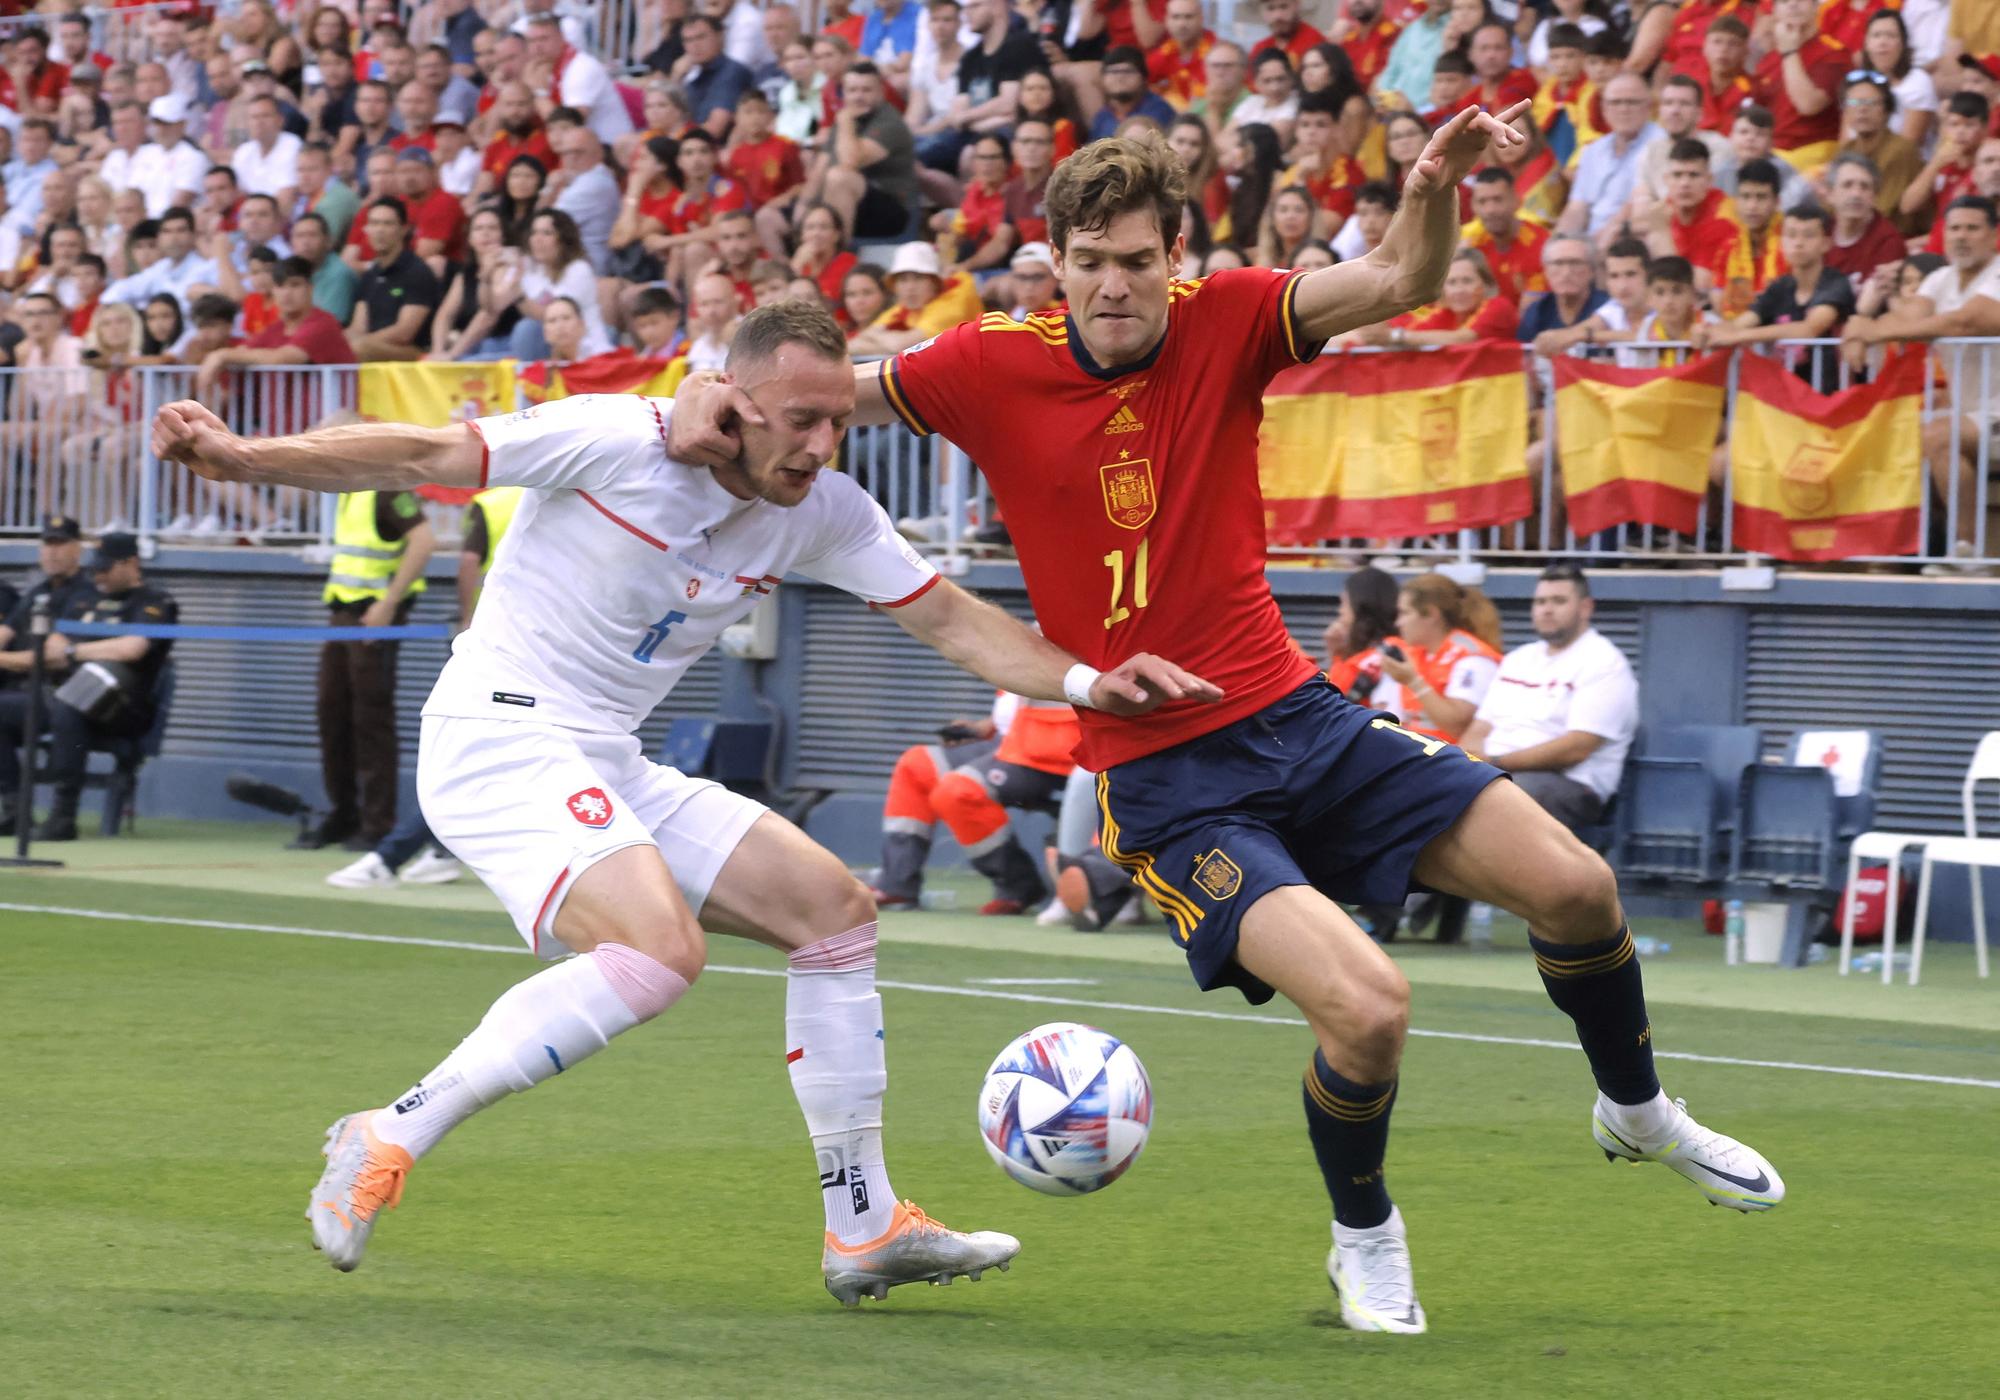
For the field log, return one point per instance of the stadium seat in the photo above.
(1973, 850)
(1676, 806)
(1796, 816)
(128, 756)
(733, 752)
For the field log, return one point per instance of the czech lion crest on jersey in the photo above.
(1129, 498)
(591, 807)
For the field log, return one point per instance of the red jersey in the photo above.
(1303, 38)
(1132, 496)
(45, 85)
(766, 169)
(1496, 318)
(689, 213)
(81, 317)
(1719, 106)
(1180, 75)
(1517, 265)
(980, 213)
(833, 277)
(1368, 50)
(1826, 64)
(1118, 27)
(1845, 23)
(1332, 189)
(1514, 85)
(1683, 51)
(503, 150)
(439, 215)
(259, 311)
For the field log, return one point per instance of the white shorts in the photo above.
(529, 807)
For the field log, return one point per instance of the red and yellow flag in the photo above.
(620, 371)
(1392, 445)
(432, 394)
(1819, 476)
(1635, 444)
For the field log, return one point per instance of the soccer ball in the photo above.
(1066, 1109)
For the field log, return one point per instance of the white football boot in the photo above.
(1723, 1169)
(363, 1174)
(1370, 1270)
(1055, 914)
(368, 873)
(914, 1249)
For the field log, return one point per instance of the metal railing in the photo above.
(76, 441)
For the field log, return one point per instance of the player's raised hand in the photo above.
(1144, 682)
(707, 411)
(1462, 143)
(187, 432)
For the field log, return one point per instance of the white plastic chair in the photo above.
(1877, 845)
(1972, 850)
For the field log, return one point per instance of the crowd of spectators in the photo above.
(464, 179)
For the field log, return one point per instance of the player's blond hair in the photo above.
(1118, 175)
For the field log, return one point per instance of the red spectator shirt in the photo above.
(1683, 50)
(659, 206)
(1878, 244)
(766, 169)
(1514, 85)
(425, 140)
(1303, 38)
(1826, 64)
(1118, 27)
(850, 30)
(1027, 210)
(724, 195)
(979, 214)
(1720, 106)
(46, 85)
(81, 317)
(1845, 25)
(1493, 319)
(1710, 237)
(439, 215)
(503, 150)
(1177, 74)
(1131, 492)
(1334, 188)
(296, 406)
(259, 313)
(1517, 266)
(1369, 50)
(833, 276)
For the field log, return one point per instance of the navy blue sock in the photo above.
(1597, 985)
(1349, 1126)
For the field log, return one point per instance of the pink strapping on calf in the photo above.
(844, 952)
(646, 987)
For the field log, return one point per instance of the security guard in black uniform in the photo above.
(61, 582)
(128, 669)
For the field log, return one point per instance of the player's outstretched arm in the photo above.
(982, 639)
(1406, 270)
(358, 457)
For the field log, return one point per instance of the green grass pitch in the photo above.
(649, 1224)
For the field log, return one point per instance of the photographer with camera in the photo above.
(103, 687)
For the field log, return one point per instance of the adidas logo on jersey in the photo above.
(1124, 421)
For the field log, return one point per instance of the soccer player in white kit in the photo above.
(622, 568)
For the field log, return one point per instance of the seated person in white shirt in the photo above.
(1561, 713)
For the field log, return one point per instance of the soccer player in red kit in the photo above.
(1120, 439)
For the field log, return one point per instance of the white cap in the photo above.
(915, 257)
(171, 107)
(1034, 255)
(452, 116)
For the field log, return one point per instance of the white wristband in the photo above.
(1077, 682)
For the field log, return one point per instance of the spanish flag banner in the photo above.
(619, 371)
(1392, 445)
(432, 395)
(1635, 443)
(1819, 476)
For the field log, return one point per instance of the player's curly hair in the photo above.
(1118, 175)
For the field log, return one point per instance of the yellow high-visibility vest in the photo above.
(363, 562)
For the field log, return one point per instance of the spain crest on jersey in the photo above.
(1217, 876)
(1129, 498)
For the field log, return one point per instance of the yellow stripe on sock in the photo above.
(1589, 967)
(1347, 1110)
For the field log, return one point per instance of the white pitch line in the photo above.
(993, 994)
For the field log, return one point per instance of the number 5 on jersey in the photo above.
(1115, 561)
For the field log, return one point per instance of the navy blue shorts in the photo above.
(1311, 790)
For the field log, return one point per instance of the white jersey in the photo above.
(622, 566)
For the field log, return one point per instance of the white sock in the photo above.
(833, 1034)
(543, 1026)
(1641, 1123)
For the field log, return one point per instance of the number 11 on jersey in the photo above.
(1115, 561)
